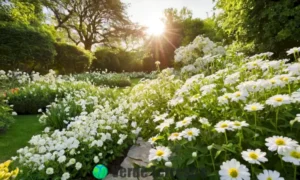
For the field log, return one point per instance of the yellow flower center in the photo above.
(233, 172)
(279, 99)
(295, 154)
(175, 134)
(184, 121)
(238, 94)
(269, 178)
(272, 81)
(154, 138)
(253, 108)
(160, 153)
(190, 133)
(280, 142)
(284, 78)
(237, 123)
(224, 125)
(253, 155)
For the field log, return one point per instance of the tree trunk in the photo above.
(88, 46)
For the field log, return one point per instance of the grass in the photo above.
(18, 135)
(135, 81)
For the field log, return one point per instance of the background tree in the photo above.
(90, 21)
(25, 47)
(181, 29)
(269, 25)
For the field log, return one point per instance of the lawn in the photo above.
(18, 135)
(135, 81)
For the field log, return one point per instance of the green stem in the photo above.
(252, 170)
(212, 160)
(240, 139)
(255, 119)
(295, 172)
(226, 137)
(277, 112)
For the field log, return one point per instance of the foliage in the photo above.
(72, 152)
(41, 92)
(150, 97)
(71, 59)
(74, 103)
(28, 12)
(6, 118)
(89, 22)
(105, 79)
(34, 46)
(180, 30)
(115, 60)
(270, 25)
(244, 107)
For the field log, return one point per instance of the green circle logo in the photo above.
(100, 171)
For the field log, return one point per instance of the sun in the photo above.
(155, 28)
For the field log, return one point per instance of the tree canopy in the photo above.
(90, 21)
(269, 25)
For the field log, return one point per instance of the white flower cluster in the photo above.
(100, 132)
(197, 55)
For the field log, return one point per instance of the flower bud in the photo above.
(194, 154)
(210, 147)
(168, 164)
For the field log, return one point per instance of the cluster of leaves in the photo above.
(269, 25)
(105, 79)
(6, 118)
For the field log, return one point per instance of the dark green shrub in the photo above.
(24, 47)
(116, 60)
(71, 59)
(37, 95)
(105, 79)
(106, 59)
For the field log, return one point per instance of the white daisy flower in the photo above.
(160, 153)
(175, 136)
(204, 121)
(152, 140)
(269, 175)
(239, 96)
(293, 50)
(239, 124)
(222, 126)
(254, 107)
(234, 170)
(162, 126)
(254, 156)
(279, 100)
(185, 122)
(191, 133)
(292, 156)
(224, 99)
(160, 117)
(280, 144)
